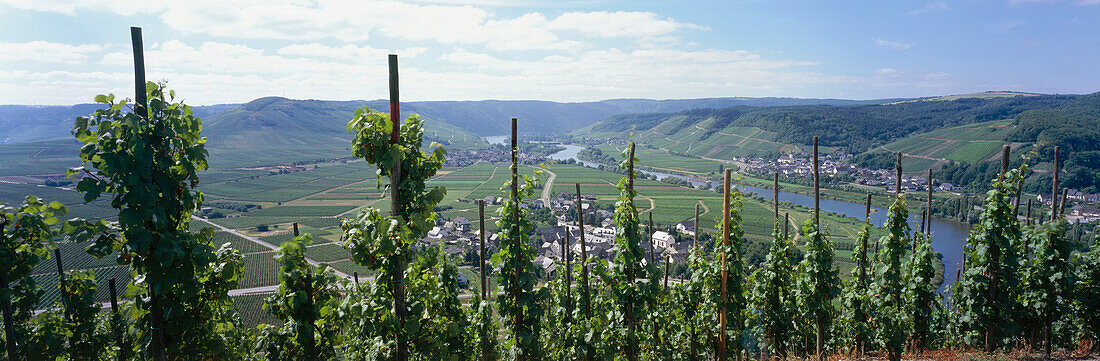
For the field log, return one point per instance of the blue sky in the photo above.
(218, 51)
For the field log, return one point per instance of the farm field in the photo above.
(970, 143)
(663, 160)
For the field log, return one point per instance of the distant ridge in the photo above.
(23, 123)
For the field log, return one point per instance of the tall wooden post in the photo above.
(61, 281)
(568, 254)
(652, 248)
(786, 224)
(140, 107)
(481, 238)
(725, 272)
(397, 209)
(1054, 192)
(515, 232)
(863, 266)
(775, 197)
(928, 227)
(1027, 215)
(481, 269)
(667, 261)
(1062, 207)
(695, 229)
(995, 265)
(114, 296)
(584, 255)
(818, 322)
(631, 349)
(897, 174)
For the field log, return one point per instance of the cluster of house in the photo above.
(458, 236)
(1084, 208)
(801, 165)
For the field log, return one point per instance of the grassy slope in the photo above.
(968, 143)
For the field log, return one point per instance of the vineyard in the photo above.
(834, 287)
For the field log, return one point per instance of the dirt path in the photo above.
(546, 189)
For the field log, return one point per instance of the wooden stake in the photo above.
(481, 269)
(817, 197)
(481, 237)
(1027, 215)
(775, 197)
(818, 322)
(514, 233)
(667, 261)
(61, 281)
(725, 271)
(141, 101)
(928, 227)
(652, 248)
(397, 273)
(1054, 193)
(1062, 208)
(695, 229)
(584, 256)
(786, 224)
(568, 254)
(897, 182)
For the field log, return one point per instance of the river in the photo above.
(948, 236)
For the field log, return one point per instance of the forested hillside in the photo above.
(856, 128)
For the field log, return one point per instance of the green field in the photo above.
(969, 144)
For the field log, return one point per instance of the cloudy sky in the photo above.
(222, 51)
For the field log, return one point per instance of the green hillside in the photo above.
(275, 130)
(968, 144)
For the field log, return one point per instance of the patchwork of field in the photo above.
(710, 139)
(969, 144)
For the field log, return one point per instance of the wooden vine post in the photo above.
(786, 223)
(775, 197)
(1027, 215)
(695, 229)
(819, 326)
(61, 279)
(928, 226)
(397, 209)
(568, 254)
(481, 236)
(631, 349)
(481, 268)
(725, 272)
(652, 249)
(584, 256)
(516, 228)
(114, 310)
(140, 107)
(1054, 192)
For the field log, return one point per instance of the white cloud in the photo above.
(1003, 27)
(47, 52)
(348, 52)
(618, 24)
(893, 44)
(886, 71)
(930, 7)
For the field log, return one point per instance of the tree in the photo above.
(856, 302)
(986, 295)
(734, 303)
(384, 243)
(519, 304)
(304, 301)
(920, 293)
(1048, 283)
(772, 298)
(148, 159)
(1087, 302)
(632, 296)
(889, 288)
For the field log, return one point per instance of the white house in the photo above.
(686, 227)
(662, 239)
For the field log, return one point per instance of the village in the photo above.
(458, 236)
